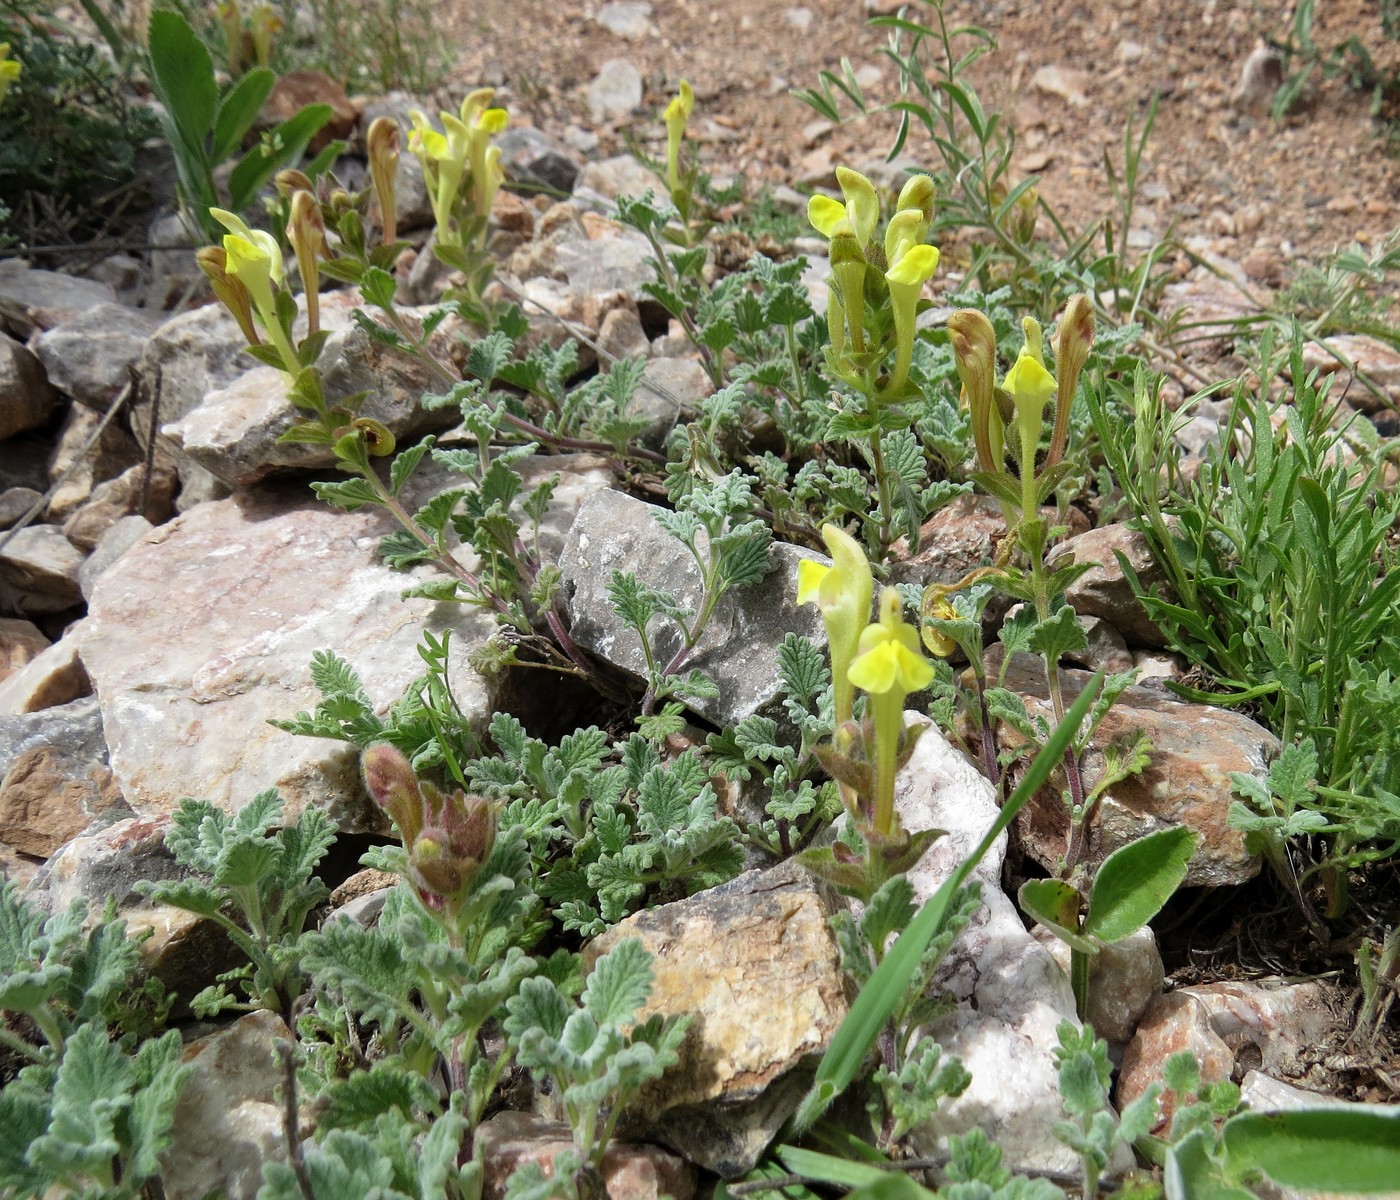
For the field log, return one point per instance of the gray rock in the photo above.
(89, 358)
(122, 497)
(668, 385)
(1123, 979)
(26, 399)
(54, 778)
(31, 299)
(610, 259)
(724, 956)
(108, 863)
(1010, 994)
(185, 359)
(1195, 747)
(1104, 591)
(78, 463)
(120, 272)
(115, 542)
(738, 649)
(39, 572)
(530, 156)
(1105, 650)
(615, 91)
(228, 1122)
(175, 275)
(234, 432)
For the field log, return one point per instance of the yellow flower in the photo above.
(890, 659)
(842, 591)
(862, 207)
(911, 266)
(255, 260)
(1029, 384)
(677, 118)
(10, 69)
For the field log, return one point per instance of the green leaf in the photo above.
(1354, 1149)
(182, 74)
(1135, 881)
(378, 287)
(90, 1094)
(239, 109)
(349, 494)
(160, 1078)
(845, 1056)
(278, 148)
(1055, 904)
(1191, 1173)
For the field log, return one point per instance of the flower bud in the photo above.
(1072, 343)
(975, 355)
(394, 787)
(306, 231)
(231, 18)
(213, 261)
(382, 146)
(290, 181)
(918, 192)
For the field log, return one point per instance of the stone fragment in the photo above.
(630, 19)
(1195, 747)
(52, 678)
(1105, 649)
(1260, 77)
(609, 259)
(39, 572)
(1377, 365)
(1064, 83)
(737, 650)
(1009, 993)
(1123, 979)
(621, 334)
(21, 642)
(1213, 307)
(27, 401)
(238, 594)
(1104, 591)
(54, 778)
(16, 503)
(78, 464)
(530, 156)
(228, 1122)
(175, 277)
(1172, 1023)
(31, 299)
(620, 176)
(724, 956)
(615, 91)
(122, 497)
(295, 90)
(114, 543)
(18, 869)
(630, 1171)
(90, 357)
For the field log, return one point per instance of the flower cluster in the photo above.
(905, 261)
(460, 160)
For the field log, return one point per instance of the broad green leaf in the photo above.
(183, 76)
(239, 109)
(279, 148)
(1191, 1174)
(1355, 1150)
(1134, 883)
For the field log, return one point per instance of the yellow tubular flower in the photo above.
(848, 274)
(912, 268)
(862, 203)
(485, 159)
(842, 592)
(255, 260)
(677, 118)
(888, 667)
(918, 192)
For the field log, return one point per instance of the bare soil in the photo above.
(1266, 193)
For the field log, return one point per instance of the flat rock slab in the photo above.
(200, 634)
(739, 648)
(31, 299)
(90, 356)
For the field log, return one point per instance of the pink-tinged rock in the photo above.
(297, 89)
(629, 1171)
(228, 1122)
(1010, 993)
(1195, 747)
(1215, 306)
(1172, 1023)
(1366, 370)
(1105, 591)
(83, 464)
(201, 634)
(1232, 1026)
(755, 965)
